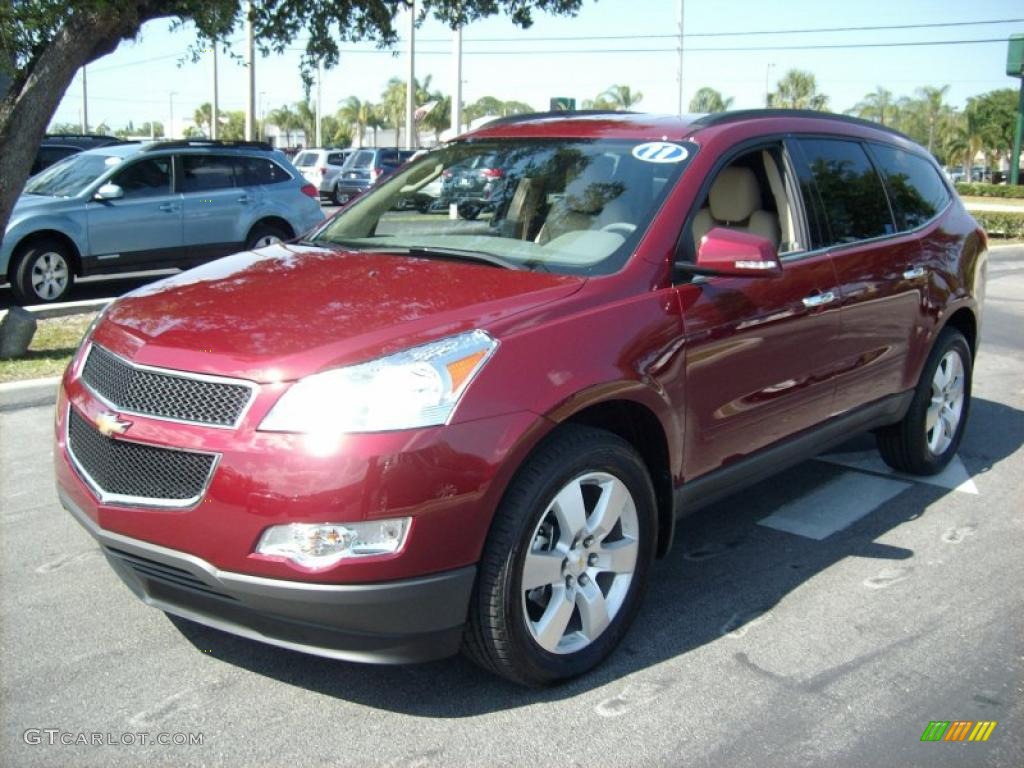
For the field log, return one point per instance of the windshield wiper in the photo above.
(455, 254)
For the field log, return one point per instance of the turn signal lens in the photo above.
(321, 545)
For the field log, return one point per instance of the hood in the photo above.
(286, 311)
(26, 204)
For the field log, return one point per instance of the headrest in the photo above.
(734, 195)
(593, 187)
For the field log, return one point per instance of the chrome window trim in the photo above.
(118, 499)
(252, 386)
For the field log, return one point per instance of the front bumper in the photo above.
(410, 620)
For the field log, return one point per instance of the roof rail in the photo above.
(527, 116)
(105, 137)
(199, 143)
(720, 118)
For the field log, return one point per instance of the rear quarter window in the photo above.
(917, 191)
(259, 171)
(305, 159)
(854, 205)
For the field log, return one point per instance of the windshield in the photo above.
(70, 176)
(571, 206)
(305, 159)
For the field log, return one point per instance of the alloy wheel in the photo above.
(50, 275)
(946, 405)
(582, 557)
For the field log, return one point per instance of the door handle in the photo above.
(914, 273)
(245, 199)
(819, 299)
(168, 207)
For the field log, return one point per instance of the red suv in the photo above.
(405, 435)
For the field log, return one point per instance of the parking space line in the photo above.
(954, 477)
(835, 505)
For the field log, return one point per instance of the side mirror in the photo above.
(109, 192)
(731, 253)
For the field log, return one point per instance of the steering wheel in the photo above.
(623, 228)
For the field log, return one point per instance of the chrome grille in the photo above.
(127, 472)
(164, 394)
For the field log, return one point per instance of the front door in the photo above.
(218, 206)
(141, 230)
(759, 365)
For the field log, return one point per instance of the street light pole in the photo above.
(681, 103)
(457, 85)
(410, 88)
(250, 103)
(213, 107)
(767, 92)
(85, 102)
(170, 123)
(319, 114)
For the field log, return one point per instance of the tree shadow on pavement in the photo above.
(723, 573)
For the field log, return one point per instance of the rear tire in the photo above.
(579, 523)
(928, 437)
(42, 272)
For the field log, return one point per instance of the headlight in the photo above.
(321, 545)
(419, 387)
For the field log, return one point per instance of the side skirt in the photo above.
(716, 485)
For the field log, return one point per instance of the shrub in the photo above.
(1001, 223)
(990, 190)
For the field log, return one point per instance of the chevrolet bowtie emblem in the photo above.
(110, 424)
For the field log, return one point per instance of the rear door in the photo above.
(143, 229)
(218, 208)
(878, 306)
(758, 361)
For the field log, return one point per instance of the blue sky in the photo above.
(134, 83)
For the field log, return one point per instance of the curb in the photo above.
(15, 395)
(64, 309)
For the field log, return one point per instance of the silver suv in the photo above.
(320, 168)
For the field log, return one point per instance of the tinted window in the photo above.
(145, 178)
(47, 156)
(852, 196)
(207, 172)
(259, 170)
(335, 158)
(388, 157)
(917, 191)
(362, 159)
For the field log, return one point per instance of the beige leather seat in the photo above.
(735, 202)
(591, 201)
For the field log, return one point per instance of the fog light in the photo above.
(321, 545)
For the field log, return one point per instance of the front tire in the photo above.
(928, 437)
(42, 272)
(264, 234)
(566, 560)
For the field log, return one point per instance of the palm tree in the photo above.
(799, 90)
(202, 118)
(376, 118)
(392, 102)
(934, 108)
(709, 100)
(878, 106)
(305, 118)
(356, 112)
(621, 97)
(286, 121)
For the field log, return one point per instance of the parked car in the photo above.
(365, 168)
(397, 437)
(320, 168)
(150, 206)
(57, 146)
(474, 187)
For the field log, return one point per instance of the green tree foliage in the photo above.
(798, 90)
(709, 100)
(45, 42)
(879, 105)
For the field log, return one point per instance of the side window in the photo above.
(205, 173)
(256, 171)
(853, 200)
(387, 157)
(335, 158)
(917, 191)
(146, 178)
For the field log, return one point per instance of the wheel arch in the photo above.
(274, 221)
(965, 321)
(42, 234)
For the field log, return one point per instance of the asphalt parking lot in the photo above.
(780, 630)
